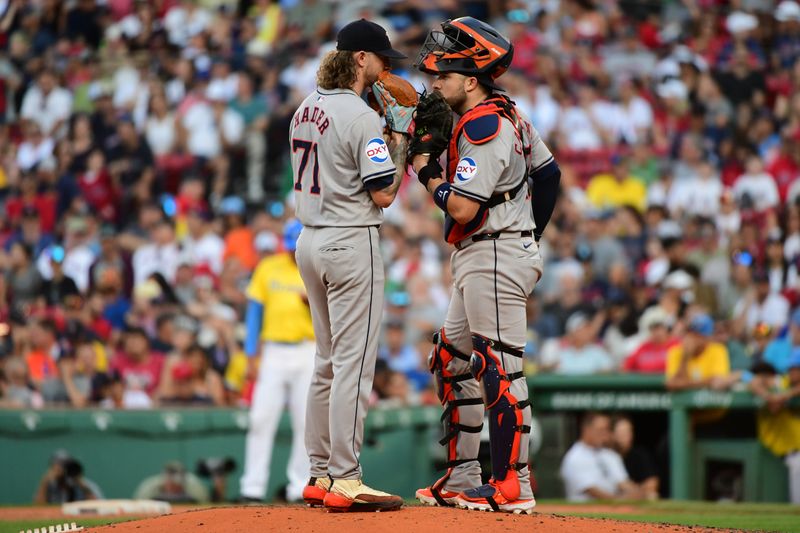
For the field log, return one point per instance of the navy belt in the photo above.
(493, 236)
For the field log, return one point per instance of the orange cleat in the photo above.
(426, 497)
(489, 498)
(314, 493)
(353, 495)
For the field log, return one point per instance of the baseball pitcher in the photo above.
(345, 173)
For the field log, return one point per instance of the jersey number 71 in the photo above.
(307, 147)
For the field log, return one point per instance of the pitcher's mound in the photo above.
(408, 519)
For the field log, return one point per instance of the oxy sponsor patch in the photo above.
(466, 169)
(377, 151)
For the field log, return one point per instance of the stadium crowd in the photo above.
(144, 173)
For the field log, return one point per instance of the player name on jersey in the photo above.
(315, 116)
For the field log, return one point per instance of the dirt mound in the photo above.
(409, 519)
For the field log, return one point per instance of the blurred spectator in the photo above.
(755, 189)
(240, 242)
(138, 366)
(44, 352)
(698, 362)
(619, 188)
(24, 281)
(16, 389)
(638, 461)
(47, 104)
(202, 246)
(591, 470)
(193, 381)
(175, 485)
(60, 286)
(402, 356)
(577, 352)
(161, 255)
(651, 355)
(778, 427)
(78, 372)
(778, 353)
(760, 304)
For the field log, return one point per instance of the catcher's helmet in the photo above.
(467, 46)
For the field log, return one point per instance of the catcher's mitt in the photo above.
(397, 100)
(433, 125)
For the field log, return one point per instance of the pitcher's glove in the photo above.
(433, 125)
(397, 100)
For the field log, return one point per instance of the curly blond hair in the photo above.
(337, 70)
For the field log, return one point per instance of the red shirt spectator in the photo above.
(651, 356)
(98, 189)
(139, 367)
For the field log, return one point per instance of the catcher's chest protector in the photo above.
(480, 125)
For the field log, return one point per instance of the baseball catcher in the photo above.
(497, 190)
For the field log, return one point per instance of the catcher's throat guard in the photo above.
(446, 385)
(505, 412)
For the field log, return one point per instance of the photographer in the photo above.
(64, 482)
(174, 484)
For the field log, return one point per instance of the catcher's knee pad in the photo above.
(446, 385)
(505, 412)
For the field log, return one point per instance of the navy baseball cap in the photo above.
(367, 36)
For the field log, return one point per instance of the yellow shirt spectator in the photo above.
(276, 284)
(605, 191)
(711, 362)
(707, 363)
(617, 188)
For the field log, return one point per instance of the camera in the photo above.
(215, 466)
(72, 469)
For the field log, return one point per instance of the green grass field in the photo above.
(15, 526)
(742, 516)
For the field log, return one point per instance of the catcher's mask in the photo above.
(466, 46)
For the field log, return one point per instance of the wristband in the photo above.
(432, 170)
(440, 196)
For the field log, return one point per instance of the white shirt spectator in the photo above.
(77, 263)
(227, 87)
(160, 133)
(182, 23)
(695, 196)
(29, 155)
(585, 467)
(207, 250)
(46, 110)
(204, 133)
(631, 119)
(774, 310)
(760, 187)
(301, 77)
(152, 258)
(578, 130)
(569, 360)
(545, 112)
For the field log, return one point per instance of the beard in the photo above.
(457, 100)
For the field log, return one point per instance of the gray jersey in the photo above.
(337, 147)
(498, 166)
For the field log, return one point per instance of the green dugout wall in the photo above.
(120, 448)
